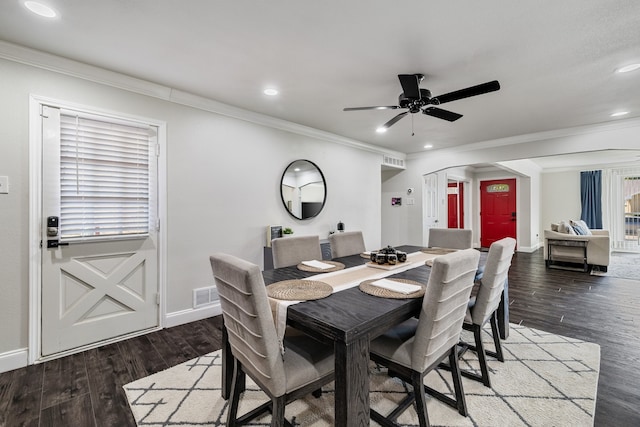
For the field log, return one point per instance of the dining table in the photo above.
(348, 319)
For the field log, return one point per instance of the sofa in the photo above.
(596, 242)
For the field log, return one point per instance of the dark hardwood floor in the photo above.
(86, 389)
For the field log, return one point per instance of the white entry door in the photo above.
(430, 205)
(99, 235)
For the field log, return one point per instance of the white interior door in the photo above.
(101, 283)
(430, 205)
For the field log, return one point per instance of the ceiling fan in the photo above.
(416, 100)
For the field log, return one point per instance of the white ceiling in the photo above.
(555, 60)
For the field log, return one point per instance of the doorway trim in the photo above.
(466, 199)
(35, 210)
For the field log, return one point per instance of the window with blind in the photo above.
(621, 207)
(105, 169)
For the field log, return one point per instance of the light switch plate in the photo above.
(4, 185)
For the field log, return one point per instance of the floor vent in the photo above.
(392, 161)
(204, 296)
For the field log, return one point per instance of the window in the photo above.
(631, 194)
(105, 170)
(621, 207)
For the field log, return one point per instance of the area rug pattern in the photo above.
(621, 265)
(546, 380)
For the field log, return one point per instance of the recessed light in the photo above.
(40, 9)
(270, 92)
(619, 113)
(428, 146)
(381, 129)
(627, 68)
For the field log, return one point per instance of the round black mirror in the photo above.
(303, 189)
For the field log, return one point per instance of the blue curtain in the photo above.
(591, 198)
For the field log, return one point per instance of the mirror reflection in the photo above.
(303, 189)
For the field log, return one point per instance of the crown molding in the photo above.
(60, 65)
(206, 104)
(69, 67)
(538, 136)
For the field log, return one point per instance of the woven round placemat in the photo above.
(437, 251)
(299, 290)
(336, 266)
(377, 291)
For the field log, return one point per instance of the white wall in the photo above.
(561, 199)
(223, 183)
(395, 229)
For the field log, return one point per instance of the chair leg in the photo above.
(496, 337)
(482, 358)
(457, 381)
(236, 389)
(417, 381)
(277, 413)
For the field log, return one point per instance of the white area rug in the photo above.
(546, 380)
(623, 265)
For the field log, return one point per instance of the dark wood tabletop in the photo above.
(350, 319)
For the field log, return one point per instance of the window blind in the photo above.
(104, 178)
(620, 202)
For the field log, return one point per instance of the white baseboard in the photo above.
(20, 358)
(14, 359)
(529, 249)
(192, 315)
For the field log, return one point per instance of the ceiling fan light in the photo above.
(428, 146)
(270, 92)
(628, 68)
(381, 129)
(40, 9)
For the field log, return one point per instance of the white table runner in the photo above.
(345, 279)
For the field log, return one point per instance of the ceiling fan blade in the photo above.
(441, 114)
(393, 121)
(410, 85)
(388, 107)
(466, 93)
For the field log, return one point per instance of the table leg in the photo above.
(503, 312)
(352, 383)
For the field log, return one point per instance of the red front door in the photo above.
(497, 210)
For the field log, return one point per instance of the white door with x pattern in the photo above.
(99, 263)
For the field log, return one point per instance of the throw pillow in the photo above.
(565, 227)
(581, 227)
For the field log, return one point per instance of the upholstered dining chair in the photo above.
(346, 243)
(450, 238)
(414, 348)
(285, 370)
(288, 251)
(483, 306)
